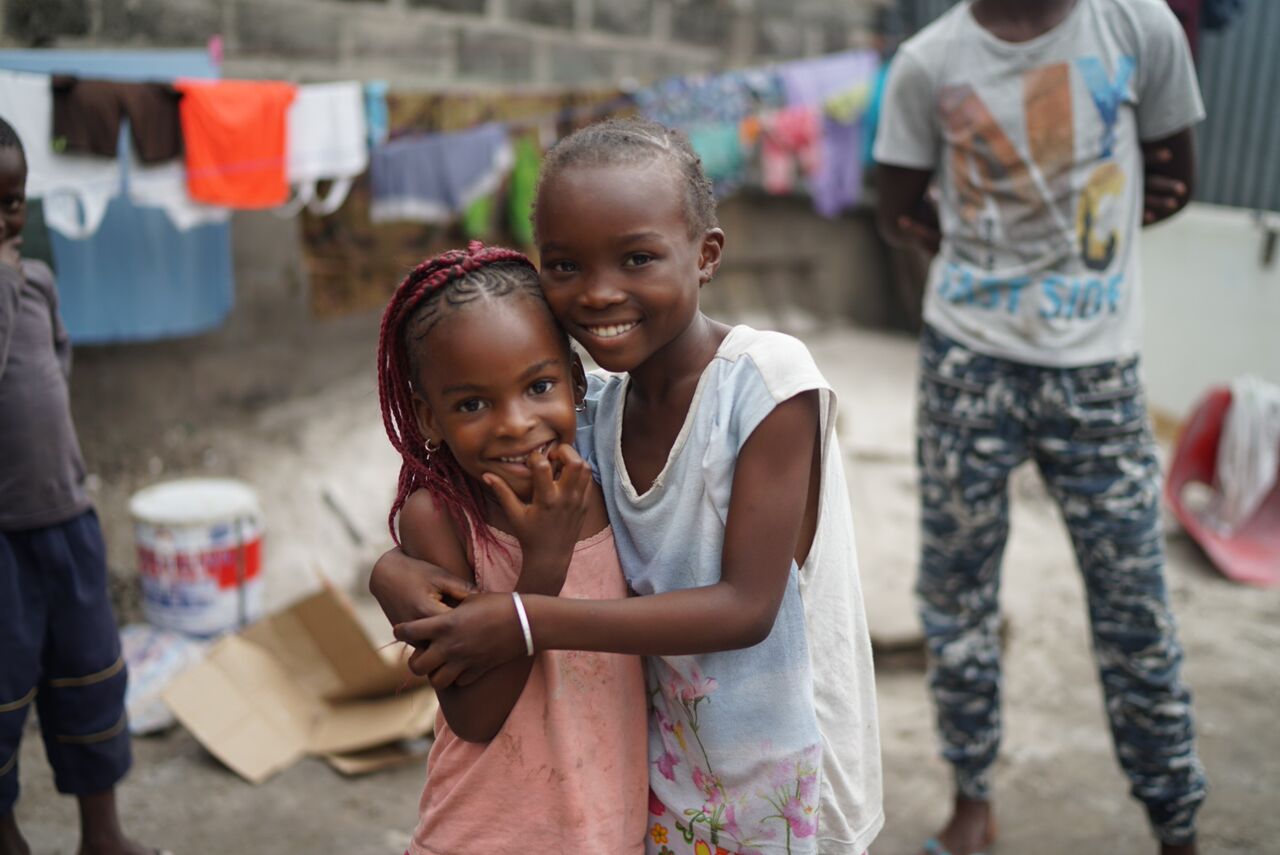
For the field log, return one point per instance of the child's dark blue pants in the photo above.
(60, 650)
(1087, 431)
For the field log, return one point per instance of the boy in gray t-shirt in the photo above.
(1054, 130)
(59, 648)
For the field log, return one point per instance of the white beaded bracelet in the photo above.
(524, 623)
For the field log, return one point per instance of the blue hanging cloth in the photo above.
(138, 277)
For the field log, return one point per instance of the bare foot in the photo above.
(122, 846)
(1181, 849)
(972, 827)
(100, 832)
(11, 840)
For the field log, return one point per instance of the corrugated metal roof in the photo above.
(1239, 155)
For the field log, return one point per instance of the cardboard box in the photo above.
(304, 681)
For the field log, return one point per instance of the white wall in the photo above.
(1212, 307)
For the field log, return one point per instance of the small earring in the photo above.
(580, 407)
(430, 449)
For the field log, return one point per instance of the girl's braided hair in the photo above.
(633, 141)
(447, 281)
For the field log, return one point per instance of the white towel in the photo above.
(164, 186)
(69, 184)
(1248, 453)
(327, 141)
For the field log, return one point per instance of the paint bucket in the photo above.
(199, 554)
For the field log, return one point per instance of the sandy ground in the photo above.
(314, 449)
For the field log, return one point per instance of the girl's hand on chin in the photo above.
(463, 645)
(549, 525)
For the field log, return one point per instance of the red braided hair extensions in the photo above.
(437, 472)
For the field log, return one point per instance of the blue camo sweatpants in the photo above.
(60, 651)
(1088, 432)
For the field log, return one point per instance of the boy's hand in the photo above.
(1163, 196)
(921, 226)
(547, 527)
(465, 644)
(408, 589)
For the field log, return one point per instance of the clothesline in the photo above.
(268, 144)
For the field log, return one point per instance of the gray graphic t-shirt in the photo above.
(1037, 151)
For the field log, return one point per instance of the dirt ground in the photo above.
(309, 437)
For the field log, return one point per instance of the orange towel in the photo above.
(234, 133)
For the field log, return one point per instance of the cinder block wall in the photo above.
(471, 44)
(455, 42)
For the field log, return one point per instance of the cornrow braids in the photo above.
(632, 140)
(9, 138)
(450, 280)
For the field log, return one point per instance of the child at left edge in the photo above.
(59, 647)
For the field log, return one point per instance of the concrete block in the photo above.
(572, 65)
(780, 38)
(420, 47)
(289, 30)
(469, 7)
(700, 23)
(497, 57)
(549, 13)
(625, 17)
(163, 23)
(39, 23)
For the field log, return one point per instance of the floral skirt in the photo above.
(665, 838)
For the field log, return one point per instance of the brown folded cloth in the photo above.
(87, 114)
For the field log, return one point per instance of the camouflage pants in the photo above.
(1087, 431)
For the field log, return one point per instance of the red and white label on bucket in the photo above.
(201, 579)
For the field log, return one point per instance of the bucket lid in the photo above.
(193, 501)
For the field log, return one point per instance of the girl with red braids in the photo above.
(480, 393)
(722, 474)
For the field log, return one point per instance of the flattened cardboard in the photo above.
(382, 757)
(322, 643)
(284, 688)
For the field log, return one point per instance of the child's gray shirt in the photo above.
(41, 467)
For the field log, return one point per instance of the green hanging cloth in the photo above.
(524, 181)
(477, 219)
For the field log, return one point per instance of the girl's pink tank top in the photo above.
(568, 772)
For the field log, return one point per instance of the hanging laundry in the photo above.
(36, 242)
(477, 219)
(87, 114)
(76, 189)
(841, 85)
(376, 116)
(682, 102)
(327, 141)
(719, 146)
(871, 118)
(165, 187)
(433, 177)
(837, 185)
(790, 136)
(137, 277)
(522, 187)
(235, 134)
(849, 106)
(814, 81)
